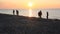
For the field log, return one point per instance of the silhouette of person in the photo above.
(17, 12)
(40, 14)
(13, 12)
(47, 15)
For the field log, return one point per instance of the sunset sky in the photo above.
(23, 4)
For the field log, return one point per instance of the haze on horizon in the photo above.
(23, 4)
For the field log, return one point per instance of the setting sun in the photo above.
(30, 4)
(30, 9)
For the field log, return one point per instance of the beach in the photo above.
(13, 24)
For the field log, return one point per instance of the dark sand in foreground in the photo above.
(12, 24)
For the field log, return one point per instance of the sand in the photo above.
(13, 24)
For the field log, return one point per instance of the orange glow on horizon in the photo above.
(35, 4)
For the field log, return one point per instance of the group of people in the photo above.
(17, 12)
(40, 14)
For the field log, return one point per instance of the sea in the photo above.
(53, 13)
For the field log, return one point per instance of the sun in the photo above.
(30, 4)
(30, 8)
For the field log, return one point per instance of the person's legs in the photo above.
(40, 16)
(13, 12)
(17, 13)
(47, 17)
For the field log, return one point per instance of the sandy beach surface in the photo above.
(12, 24)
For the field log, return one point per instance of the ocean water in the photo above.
(53, 13)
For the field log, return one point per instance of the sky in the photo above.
(23, 4)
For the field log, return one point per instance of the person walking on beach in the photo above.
(47, 15)
(17, 12)
(13, 12)
(40, 14)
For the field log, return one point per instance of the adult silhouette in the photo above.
(13, 12)
(17, 12)
(40, 14)
(47, 15)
